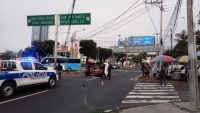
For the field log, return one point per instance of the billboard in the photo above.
(137, 41)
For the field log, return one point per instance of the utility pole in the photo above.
(171, 39)
(161, 13)
(56, 40)
(193, 78)
(157, 53)
(72, 40)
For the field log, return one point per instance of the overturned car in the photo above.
(97, 69)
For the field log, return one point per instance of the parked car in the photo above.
(115, 66)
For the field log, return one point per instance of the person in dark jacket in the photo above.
(59, 69)
(10, 68)
(109, 70)
(102, 71)
(142, 67)
(162, 75)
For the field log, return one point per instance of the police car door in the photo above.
(28, 74)
(41, 73)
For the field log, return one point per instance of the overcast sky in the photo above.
(16, 35)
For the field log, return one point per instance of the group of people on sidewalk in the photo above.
(162, 72)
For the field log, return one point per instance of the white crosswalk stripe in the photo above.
(147, 93)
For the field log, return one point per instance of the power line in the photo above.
(151, 19)
(108, 22)
(133, 14)
(126, 22)
(117, 17)
(69, 28)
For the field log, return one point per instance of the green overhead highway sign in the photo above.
(77, 19)
(41, 20)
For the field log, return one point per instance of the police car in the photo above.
(14, 74)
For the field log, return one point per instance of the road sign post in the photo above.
(77, 19)
(41, 20)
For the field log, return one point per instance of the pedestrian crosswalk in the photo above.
(152, 93)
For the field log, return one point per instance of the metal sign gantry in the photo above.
(135, 49)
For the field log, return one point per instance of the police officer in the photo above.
(109, 70)
(59, 69)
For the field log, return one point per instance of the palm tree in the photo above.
(181, 40)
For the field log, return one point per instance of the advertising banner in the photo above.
(137, 41)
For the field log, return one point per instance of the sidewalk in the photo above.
(177, 107)
(151, 80)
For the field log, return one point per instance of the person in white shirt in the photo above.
(154, 71)
(182, 74)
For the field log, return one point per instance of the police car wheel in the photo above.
(52, 82)
(7, 89)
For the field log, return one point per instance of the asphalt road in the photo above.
(77, 94)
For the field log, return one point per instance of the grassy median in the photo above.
(73, 73)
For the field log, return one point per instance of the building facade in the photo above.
(40, 33)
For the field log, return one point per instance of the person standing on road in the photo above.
(142, 67)
(147, 69)
(59, 69)
(154, 71)
(109, 70)
(182, 74)
(162, 75)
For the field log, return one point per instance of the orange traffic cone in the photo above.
(102, 83)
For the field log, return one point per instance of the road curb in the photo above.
(146, 106)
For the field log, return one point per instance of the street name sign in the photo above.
(41, 20)
(76, 19)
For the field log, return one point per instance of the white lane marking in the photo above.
(154, 93)
(23, 97)
(151, 85)
(151, 90)
(108, 111)
(135, 77)
(152, 96)
(92, 79)
(150, 101)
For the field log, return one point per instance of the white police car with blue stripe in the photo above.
(16, 74)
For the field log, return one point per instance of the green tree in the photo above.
(120, 57)
(137, 58)
(87, 47)
(40, 49)
(181, 48)
(143, 55)
(104, 53)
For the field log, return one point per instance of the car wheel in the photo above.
(7, 89)
(68, 69)
(52, 82)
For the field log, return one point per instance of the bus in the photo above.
(69, 63)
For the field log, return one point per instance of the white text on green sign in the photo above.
(75, 19)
